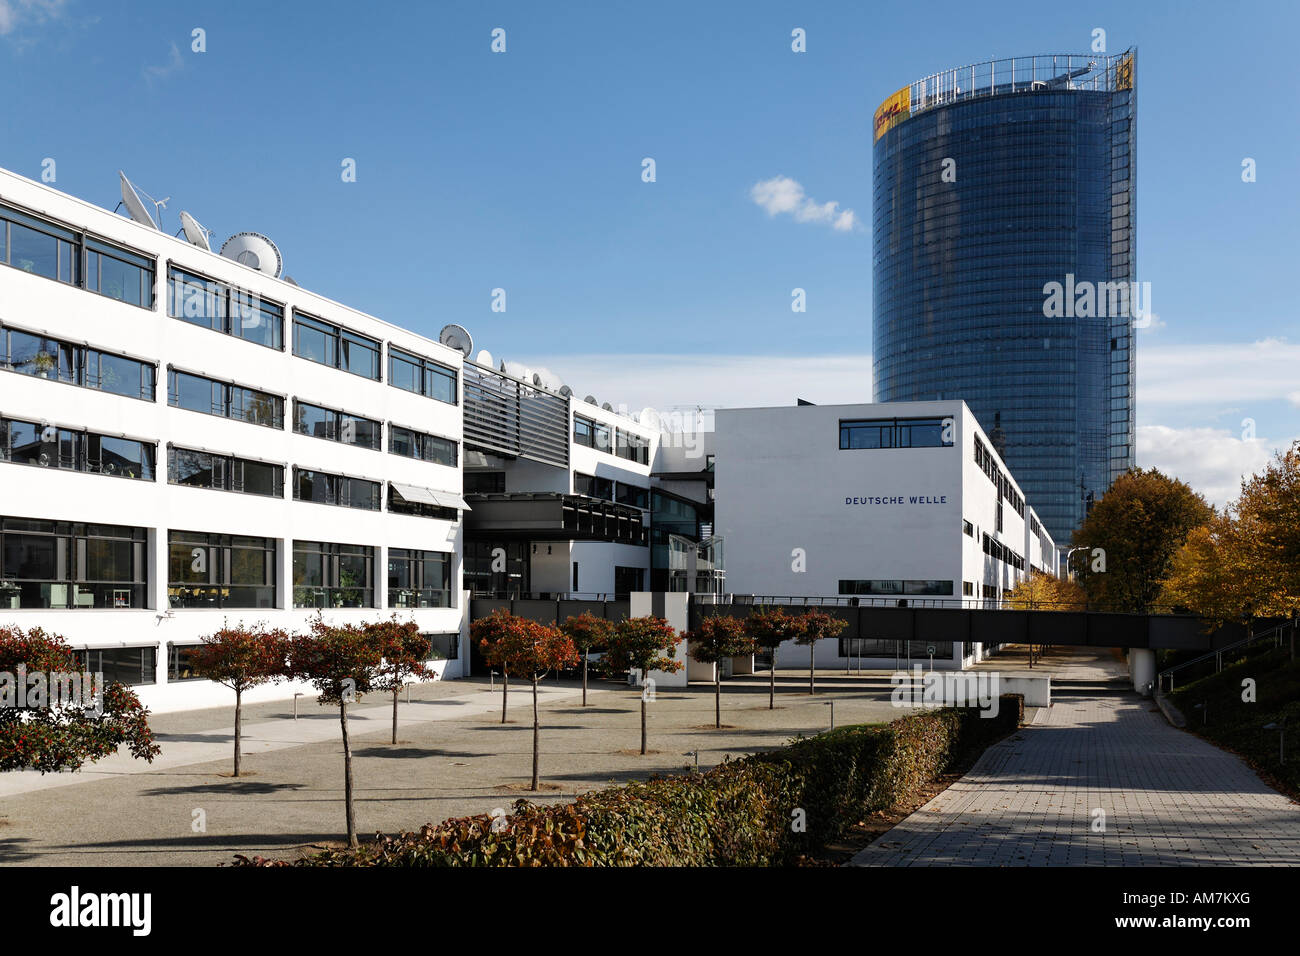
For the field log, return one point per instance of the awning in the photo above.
(427, 496)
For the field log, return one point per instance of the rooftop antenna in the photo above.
(135, 205)
(195, 234)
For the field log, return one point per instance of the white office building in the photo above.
(881, 503)
(189, 440)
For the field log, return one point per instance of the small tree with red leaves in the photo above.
(716, 639)
(406, 656)
(530, 650)
(588, 633)
(644, 644)
(488, 631)
(55, 716)
(813, 626)
(770, 629)
(342, 661)
(242, 658)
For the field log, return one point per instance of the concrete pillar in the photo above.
(1142, 669)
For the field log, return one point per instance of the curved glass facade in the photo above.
(981, 199)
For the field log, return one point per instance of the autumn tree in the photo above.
(406, 656)
(1042, 591)
(54, 716)
(242, 658)
(342, 662)
(770, 628)
(488, 631)
(644, 644)
(1131, 535)
(588, 633)
(717, 638)
(812, 627)
(530, 649)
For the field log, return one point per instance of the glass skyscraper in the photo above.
(1004, 263)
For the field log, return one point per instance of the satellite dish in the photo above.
(590, 399)
(566, 391)
(457, 337)
(607, 406)
(485, 358)
(290, 280)
(254, 250)
(649, 417)
(195, 234)
(517, 370)
(131, 198)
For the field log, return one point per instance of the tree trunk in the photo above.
(396, 691)
(347, 776)
(505, 689)
(643, 723)
(584, 680)
(717, 696)
(771, 683)
(239, 715)
(536, 725)
(812, 662)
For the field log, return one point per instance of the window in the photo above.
(593, 487)
(224, 308)
(39, 247)
(633, 447)
(58, 564)
(627, 580)
(321, 422)
(119, 274)
(333, 575)
(584, 431)
(968, 588)
(419, 509)
(36, 355)
(49, 446)
(132, 666)
(632, 495)
(485, 482)
(420, 375)
(327, 489)
(896, 433)
(1000, 552)
(319, 341)
(896, 586)
(601, 437)
(220, 570)
(180, 665)
(413, 444)
(443, 647)
(967, 529)
(201, 469)
(196, 393)
(419, 578)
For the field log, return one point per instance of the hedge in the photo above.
(739, 813)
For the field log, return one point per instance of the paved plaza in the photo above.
(1169, 798)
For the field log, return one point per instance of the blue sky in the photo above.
(522, 171)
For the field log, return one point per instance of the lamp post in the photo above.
(1281, 740)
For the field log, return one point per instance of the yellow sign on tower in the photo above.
(893, 111)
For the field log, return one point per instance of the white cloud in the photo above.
(18, 13)
(1212, 460)
(782, 195)
(174, 63)
(1217, 373)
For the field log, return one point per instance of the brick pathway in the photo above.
(1169, 798)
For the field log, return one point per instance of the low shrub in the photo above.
(740, 813)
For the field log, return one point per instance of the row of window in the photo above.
(137, 666)
(30, 353)
(594, 434)
(608, 490)
(198, 393)
(875, 647)
(896, 433)
(44, 248)
(895, 586)
(52, 564)
(999, 551)
(995, 474)
(49, 446)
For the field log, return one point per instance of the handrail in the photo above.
(1273, 632)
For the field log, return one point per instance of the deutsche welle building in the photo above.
(993, 182)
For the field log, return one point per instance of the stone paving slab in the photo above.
(1169, 799)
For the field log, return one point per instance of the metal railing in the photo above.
(1232, 650)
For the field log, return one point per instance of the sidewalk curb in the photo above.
(1172, 713)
